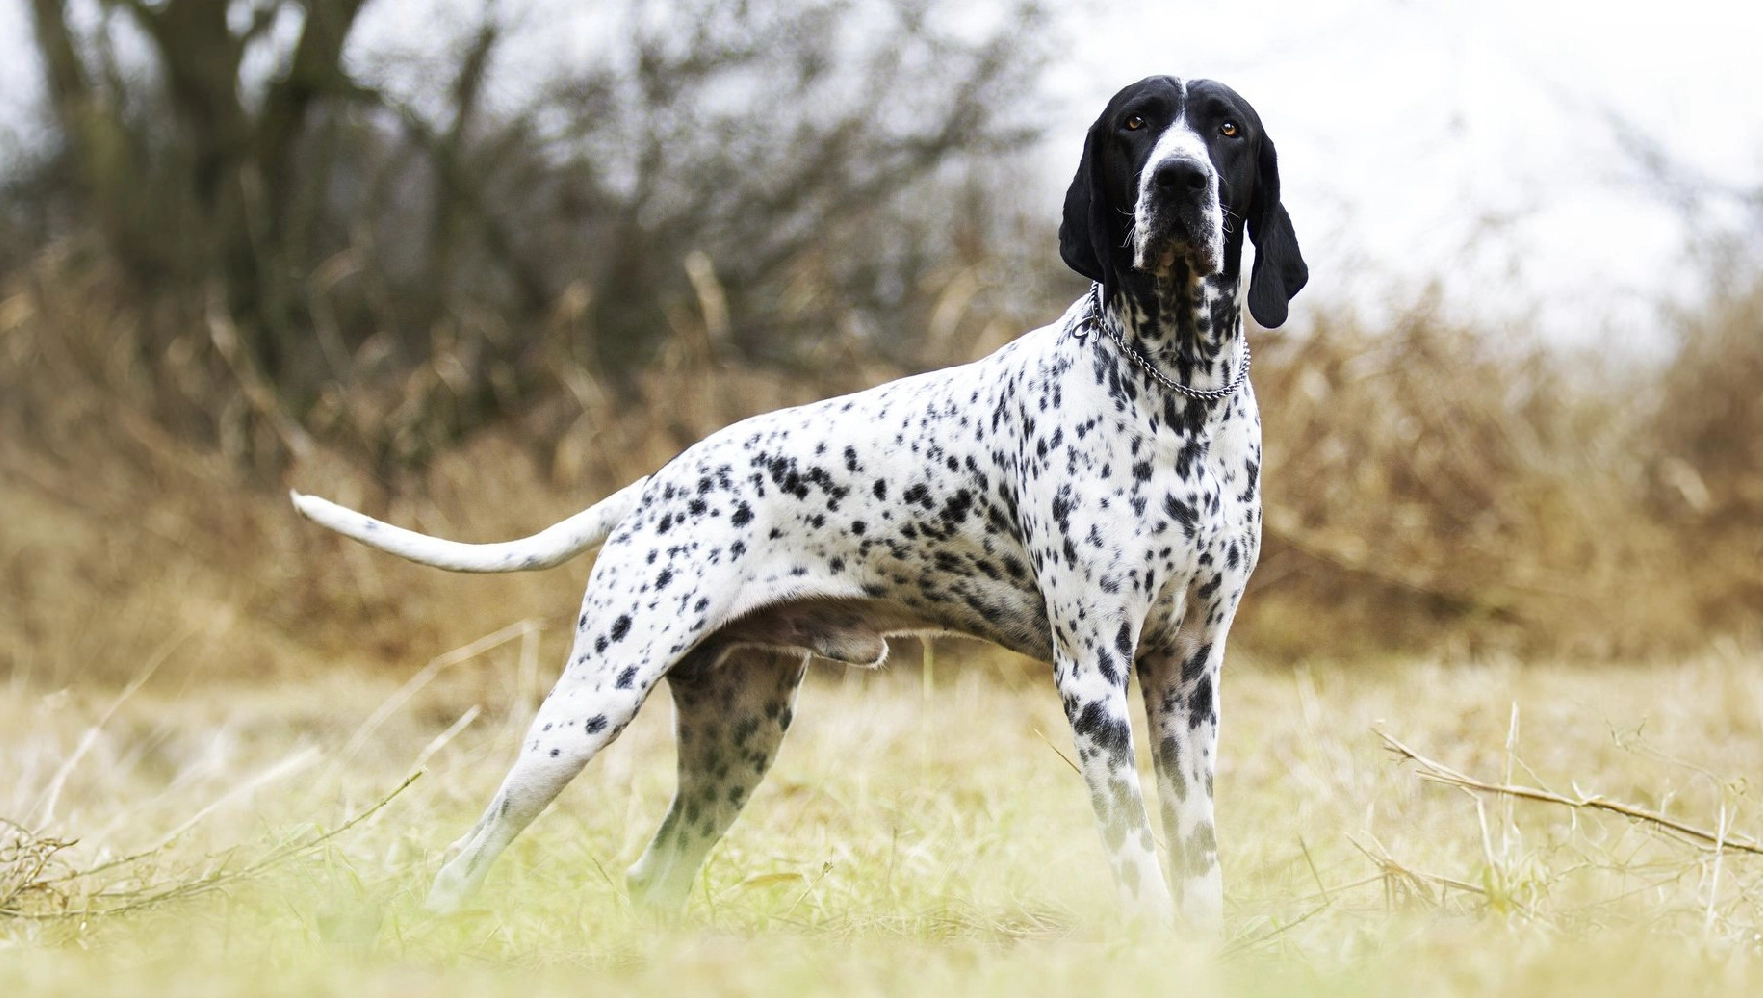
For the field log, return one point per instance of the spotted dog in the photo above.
(1089, 495)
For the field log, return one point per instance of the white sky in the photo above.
(1467, 143)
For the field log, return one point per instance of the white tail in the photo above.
(552, 546)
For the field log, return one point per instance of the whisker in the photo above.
(1228, 215)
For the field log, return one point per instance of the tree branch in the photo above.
(1438, 772)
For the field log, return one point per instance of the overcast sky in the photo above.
(1471, 143)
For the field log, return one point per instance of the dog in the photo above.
(1089, 495)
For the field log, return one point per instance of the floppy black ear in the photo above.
(1279, 270)
(1083, 231)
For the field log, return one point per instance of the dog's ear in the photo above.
(1279, 270)
(1084, 243)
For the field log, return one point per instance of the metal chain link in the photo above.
(1144, 363)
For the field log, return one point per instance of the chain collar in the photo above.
(1093, 317)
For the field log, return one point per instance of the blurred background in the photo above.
(470, 265)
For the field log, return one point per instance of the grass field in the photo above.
(905, 843)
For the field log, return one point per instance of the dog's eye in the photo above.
(1229, 128)
(1134, 123)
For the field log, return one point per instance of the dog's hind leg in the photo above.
(595, 699)
(565, 735)
(729, 720)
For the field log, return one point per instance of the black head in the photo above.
(1172, 173)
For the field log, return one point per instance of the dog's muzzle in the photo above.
(1179, 217)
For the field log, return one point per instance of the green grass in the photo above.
(901, 846)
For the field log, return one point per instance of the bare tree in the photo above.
(207, 192)
(798, 152)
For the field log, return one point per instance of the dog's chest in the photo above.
(1126, 471)
(1157, 502)
(1202, 579)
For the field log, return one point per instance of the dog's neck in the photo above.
(1190, 328)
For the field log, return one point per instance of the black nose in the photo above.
(1176, 174)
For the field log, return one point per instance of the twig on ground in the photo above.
(24, 856)
(1314, 873)
(111, 901)
(1061, 755)
(825, 868)
(1438, 772)
(287, 767)
(441, 740)
(1237, 946)
(1402, 880)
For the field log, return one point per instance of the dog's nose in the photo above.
(1179, 174)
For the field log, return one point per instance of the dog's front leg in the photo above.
(1091, 664)
(1181, 703)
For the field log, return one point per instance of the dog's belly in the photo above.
(855, 630)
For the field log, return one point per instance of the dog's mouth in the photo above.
(1189, 234)
(1171, 231)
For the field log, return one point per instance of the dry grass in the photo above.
(1431, 489)
(902, 845)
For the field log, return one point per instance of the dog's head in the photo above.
(1171, 172)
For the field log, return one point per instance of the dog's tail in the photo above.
(552, 546)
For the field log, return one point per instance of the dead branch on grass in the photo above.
(25, 857)
(1403, 883)
(1438, 772)
(1246, 942)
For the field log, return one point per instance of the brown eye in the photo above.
(1134, 123)
(1229, 128)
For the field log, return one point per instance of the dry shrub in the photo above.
(1428, 489)
(120, 537)
(1707, 464)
